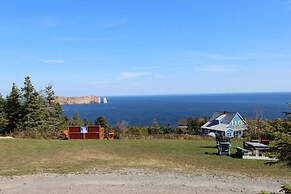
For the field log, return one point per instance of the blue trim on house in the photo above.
(229, 133)
(237, 121)
(233, 124)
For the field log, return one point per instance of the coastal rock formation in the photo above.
(104, 101)
(78, 100)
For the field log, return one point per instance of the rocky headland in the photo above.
(78, 100)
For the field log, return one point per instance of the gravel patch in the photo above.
(136, 181)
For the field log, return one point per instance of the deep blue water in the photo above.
(167, 109)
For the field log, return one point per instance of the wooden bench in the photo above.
(93, 132)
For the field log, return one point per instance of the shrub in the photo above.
(137, 132)
(286, 188)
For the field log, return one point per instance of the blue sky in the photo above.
(135, 47)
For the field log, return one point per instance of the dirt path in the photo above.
(135, 181)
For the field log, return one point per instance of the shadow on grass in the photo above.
(216, 154)
(270, 163)
(235, 156)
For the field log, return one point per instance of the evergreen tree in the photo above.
(76, 121)
(66, 118)
(194, 125)
(58, 114)
(283, 145)
(13, 107)
(50, 94)
(91, 123)
(101, 120)
(36, 111)
(54, 120)
(27, 90)
(155, 128)
(3, 116)
(167, 129)
(33, 112)
(86, 122)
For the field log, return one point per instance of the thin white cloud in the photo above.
(130, 75)
(52, 61)
(216, 69)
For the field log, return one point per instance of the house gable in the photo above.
(238, 121)
(229, 133)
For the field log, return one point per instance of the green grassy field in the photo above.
(26, 156)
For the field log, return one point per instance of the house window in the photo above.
(228, 134)
(237, 133)
(240, 122)
(233, 122)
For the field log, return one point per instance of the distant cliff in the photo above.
(78, 100)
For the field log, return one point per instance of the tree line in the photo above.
(26, 112)
(123, 130)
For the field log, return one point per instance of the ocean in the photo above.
(167, 109)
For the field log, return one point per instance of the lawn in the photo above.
(26, 156)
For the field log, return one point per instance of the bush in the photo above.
(137, 132)
(286, 188)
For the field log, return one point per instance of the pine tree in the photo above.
(91, 123)
(13, 107)
(50, 94)
(155, 128)
(76, 121)
(27, 90)
(283, 145)
(54, 120)
(59, 114)
(86, 122)
(3, 116)
(101, 120)
(33, 112)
